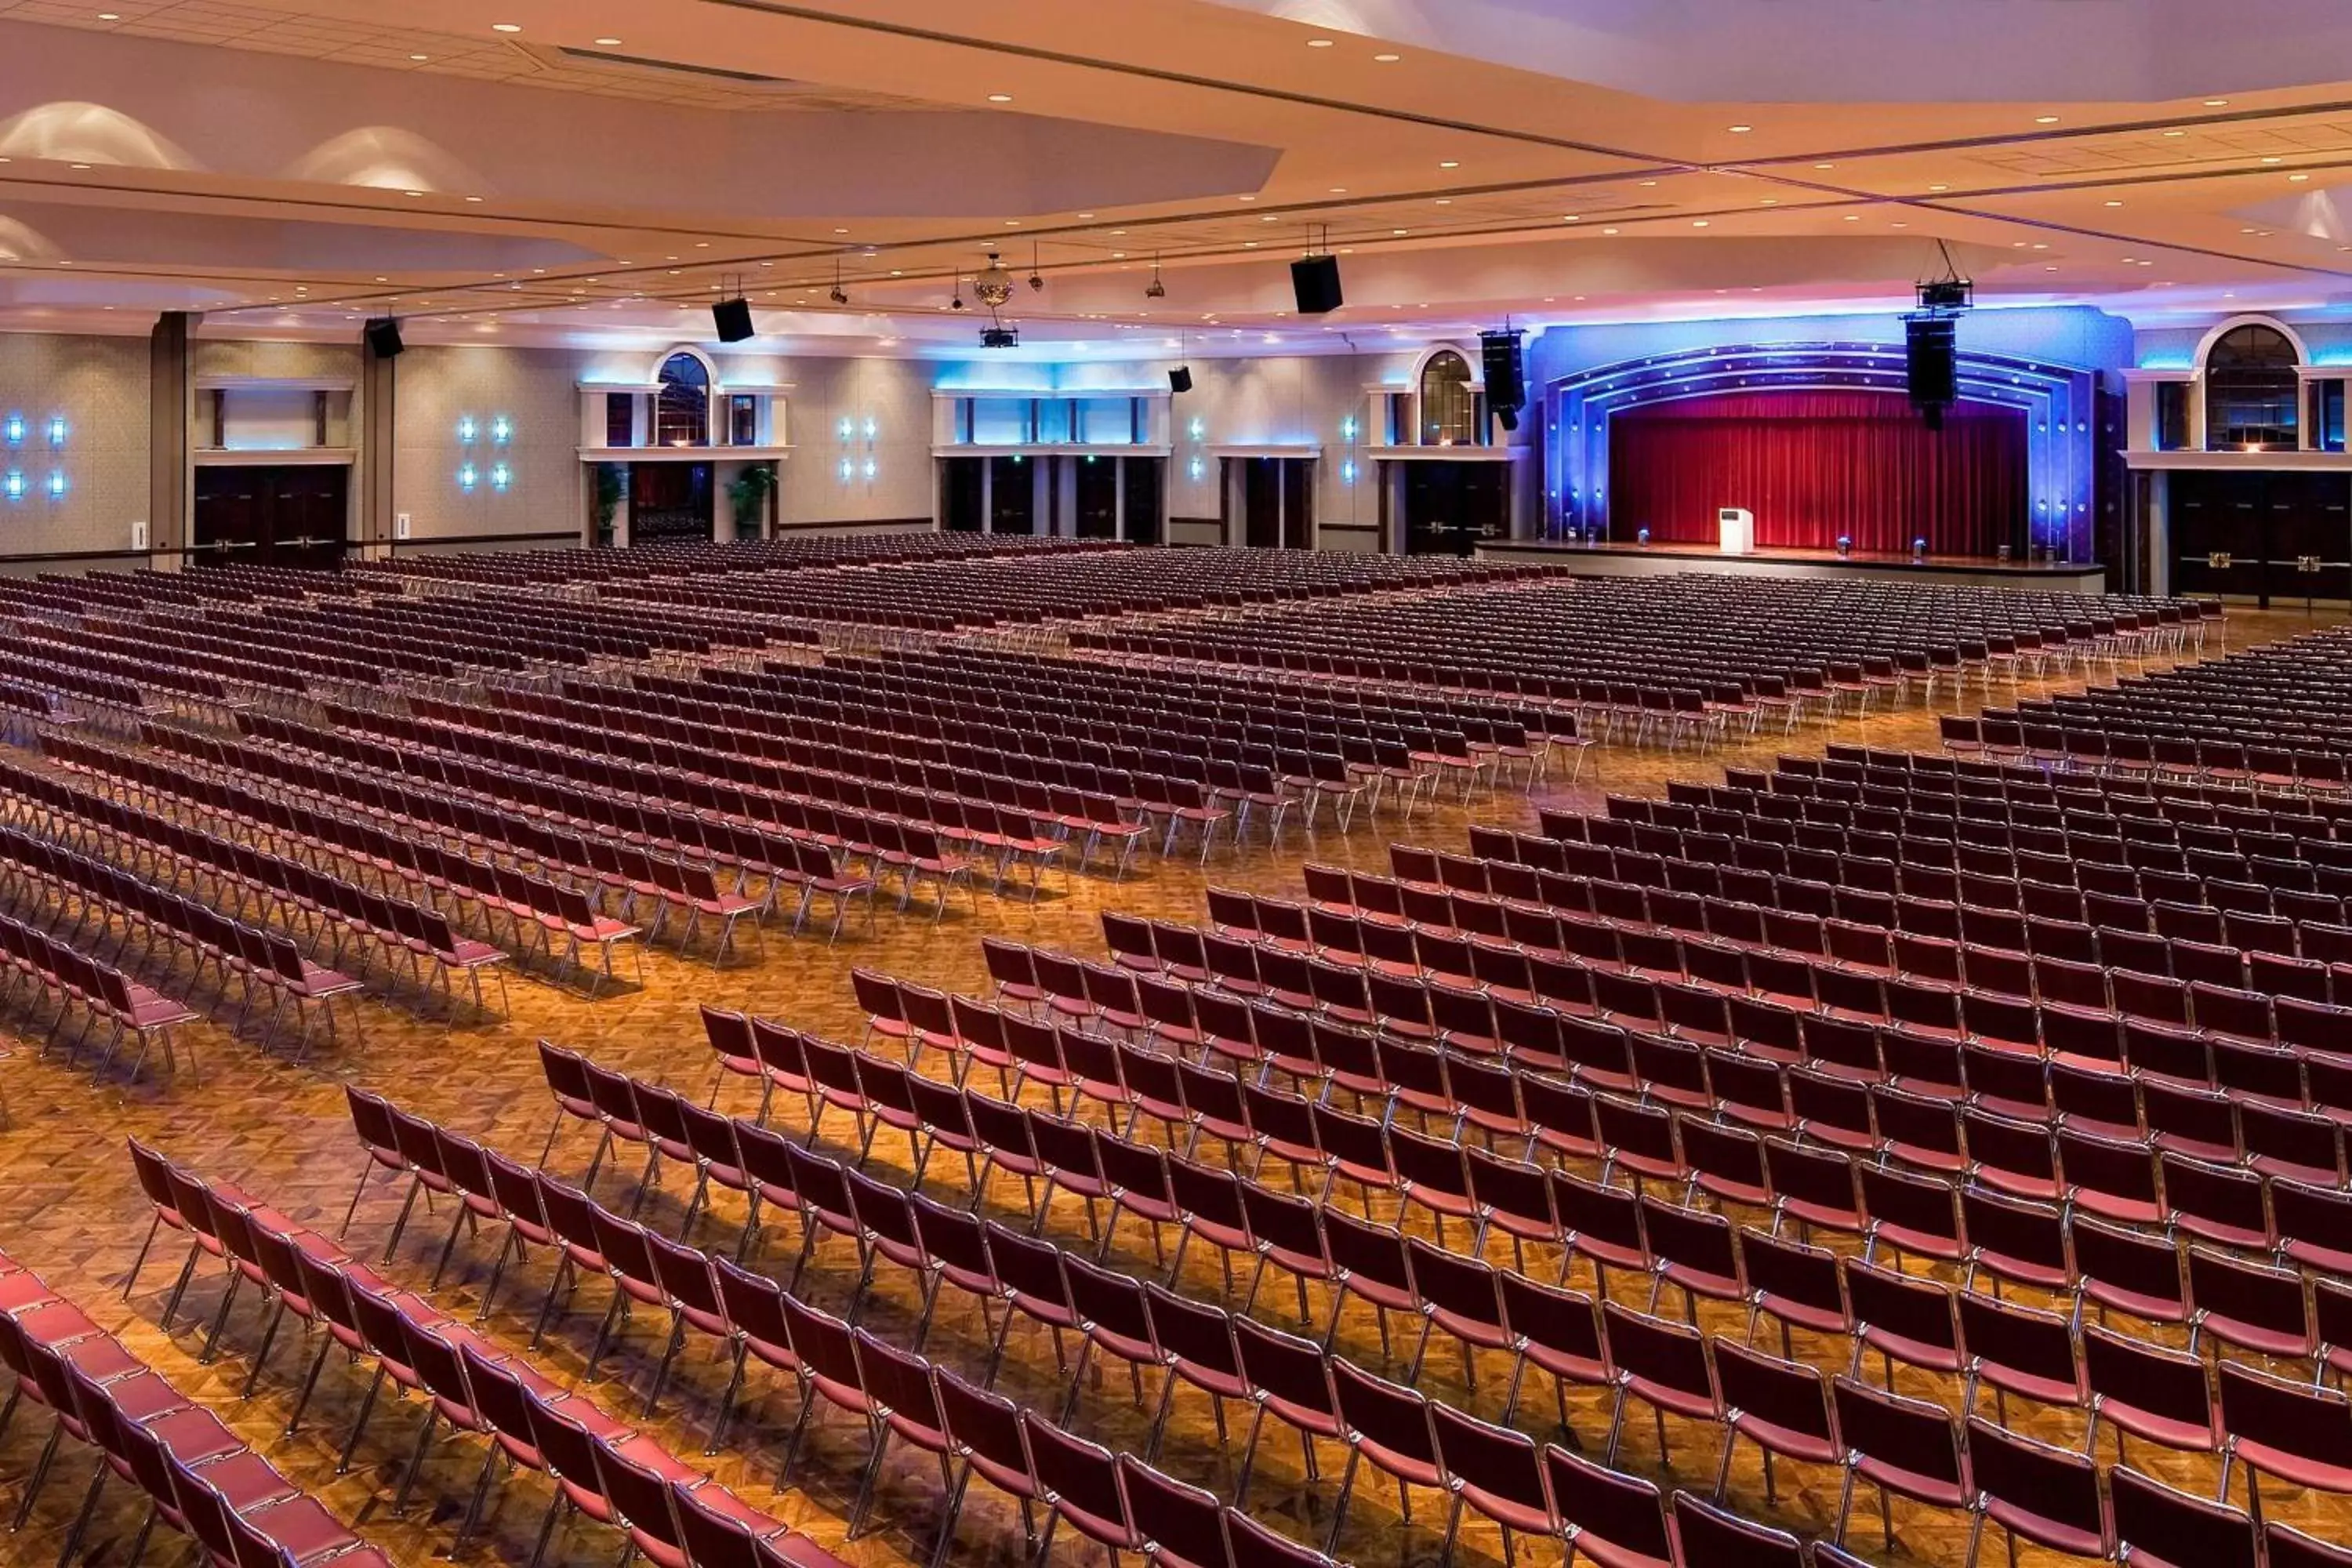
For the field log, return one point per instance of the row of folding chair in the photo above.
(71, 978)
(601, 1467)
(1673, 1368)
(199, 1478)
(285, 889)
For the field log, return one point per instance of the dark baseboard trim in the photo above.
(1348, 527)
(898, 522)
(52, 557)
(542, 535)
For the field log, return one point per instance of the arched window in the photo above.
(682, 407)
(1449, 408)
(2251, 389)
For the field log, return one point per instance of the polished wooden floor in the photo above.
(73, 1212)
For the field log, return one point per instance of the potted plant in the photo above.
(610, 486)
(747, 493)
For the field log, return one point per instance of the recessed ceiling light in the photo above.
(1086, 215)
(473, 198)
(1573, 217)
(1698, 222)
(1939, 187)
(1388, 59)
(1245, 198)
(1338, 190)
(1249, 245)
(1399, 231)
(86, 166)
(2298, 178)
(1739, 130)
(1442, 201)
(412, 192)
(2216, 103)
(1825, 165)
(1854, 217)
(420, 59)
(2114, 204)
(506, 27)
(841, 231)
(1450, 163)
(110, 16)
(608, 42)
(1609, 231)
(2045, 120)
(383, 279)
(2043, 245)
(1012, 223)
(1000, 98)
(1899, 225)
(1319, 43)
(2049, 266)
(701, 244)
(2271, 159)
(1768, 201)
(2175, 133)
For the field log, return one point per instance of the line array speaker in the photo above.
(1931, 365)
(1315, 281)
(734, 319)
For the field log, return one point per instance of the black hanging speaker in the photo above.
(1930, 364)
(1180, 379)
(1315, 281)
(734, 319)
(1506, 384)
(383, 337)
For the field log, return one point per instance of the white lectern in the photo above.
(1736, 527)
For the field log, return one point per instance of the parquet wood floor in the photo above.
(72, 1211)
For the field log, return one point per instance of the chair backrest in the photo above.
(1625, 1512)
(2311, 1424)
(2161, 1528)
(1183, 1526)
(986, 1423)
(1712, 1537)
(2051, 1495)
(2287, 1548)
(1083, 1479)
(1789, 1395)
(1908, 1434)
(1388, 1413)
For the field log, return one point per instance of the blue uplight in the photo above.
(12, 485)
(467, 477)
(58, 430)
(57, 484)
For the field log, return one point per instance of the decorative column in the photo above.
(171, 471)
(378, 422)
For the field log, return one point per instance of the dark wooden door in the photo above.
(293, 515)
(1297, 504)
(1449, 507)
(2250, 534)
(1262, 503)
(1143, 479)
(1098, 496)
(960, 494)
(1012, 497)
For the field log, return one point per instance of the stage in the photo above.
(1621, 560)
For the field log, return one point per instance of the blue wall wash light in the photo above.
(13, 431)
(467, 478)
(57, 484)
(13, 484)
(58, 430)
(465, 428)
(502, 430)
(501, 477)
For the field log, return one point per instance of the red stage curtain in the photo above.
(1814, 465)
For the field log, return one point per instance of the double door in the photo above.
(286, 515)
(2262, 535)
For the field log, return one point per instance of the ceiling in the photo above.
(600, 171)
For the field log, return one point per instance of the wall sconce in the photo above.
(848, 470)
(13, 430)
(502, 430)
(869, 467)
(467, 478)
(1348, 428)
(1347, 472)
(57, 484)
(58, 430)
(466, 430)
(1195, 469)
(501, 477)
(12, 485)
(847, 428)
(1199, 429)
(871, 428)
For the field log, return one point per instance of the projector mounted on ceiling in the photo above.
(999, 337)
